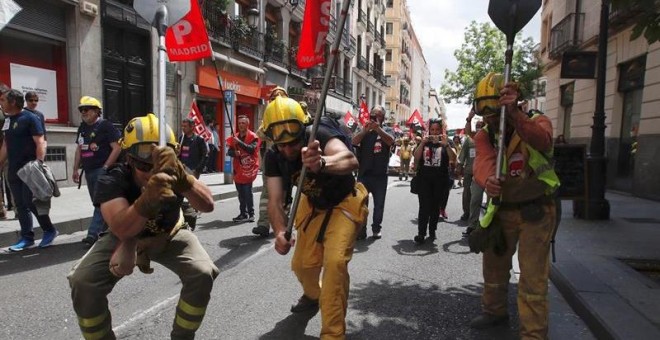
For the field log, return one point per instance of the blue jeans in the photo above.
(24, 205)
(97, 225)
(377, 186)
(245, 199)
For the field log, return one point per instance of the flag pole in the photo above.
(317, 117)
(161, 26)
(224, 102)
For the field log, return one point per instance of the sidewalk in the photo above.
(615, 300)
(72, 211)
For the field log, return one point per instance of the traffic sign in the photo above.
(176, 9)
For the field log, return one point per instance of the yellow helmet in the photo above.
(140, 133)
(284, 120)
(487, 95)
(277, 91)
(88, 101)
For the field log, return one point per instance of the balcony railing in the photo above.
(362, 18)
(276, 52)
(217, 24)
(348, 88)
(567, 34)
(362, 64)
(339, 85)
(352, 50)
(371, 28)
(622, 16)
(293, 68)
(252, 45)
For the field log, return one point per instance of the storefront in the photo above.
(33, 56)
(248, 97)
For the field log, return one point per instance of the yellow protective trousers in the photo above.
(91, 282)
(332, 254)
(533, 239)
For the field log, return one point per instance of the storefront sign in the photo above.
(40, 80)
(242, 86)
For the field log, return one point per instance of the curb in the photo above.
(81, 224)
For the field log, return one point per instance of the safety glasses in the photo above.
(285, 131)
(487, 106)
(84, 109)
(140, 165)
(141, 152)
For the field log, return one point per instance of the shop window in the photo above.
(388, 28)
(566, 102)
(56, 159)
(631, 86)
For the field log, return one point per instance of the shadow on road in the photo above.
(292, 327)
(217, 224)
(414, 311)
(410, 248)
(460, 247)
(240, 249)
(362, 246)
(37, 258)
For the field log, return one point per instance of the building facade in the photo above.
(369, 84)
(398, 60)
(632, 91)
(420, 78)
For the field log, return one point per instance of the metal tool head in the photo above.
(510, 16)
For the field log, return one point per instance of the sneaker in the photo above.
(419, 239)
(305, 304)
(240, 218)
(48, 238)
(484, 321)
(377, 235)
(362, 235)
(89, 240)
(21, 245)
(251, 218)
(261, 231)
(467, 231)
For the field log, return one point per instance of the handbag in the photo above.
(414, 184)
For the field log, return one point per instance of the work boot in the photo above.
(464, 217)
(261, 230)
(485, 320)
(305, 304)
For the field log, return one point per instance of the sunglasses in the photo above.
(84, 109)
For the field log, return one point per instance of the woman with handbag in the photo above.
(432, 157)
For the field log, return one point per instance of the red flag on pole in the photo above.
(187, 39)
(364, 113)
(316, 23)
(416, 120)
(349, 121)
(199, 128)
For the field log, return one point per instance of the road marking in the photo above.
(144, 314)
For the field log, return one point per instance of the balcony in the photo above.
(567, 34)
(362, 64)
(339, 85)
(276, 52)
(332, 31)
(624, 16)
(348, 88)
(352, 50)
(362, 19)
(293, 68)
(217, 24)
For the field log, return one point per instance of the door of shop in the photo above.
(126, 65)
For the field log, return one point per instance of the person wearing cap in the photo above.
(374, 144)
(521, 210)
(331, 208)
(97, 150)
(24, 142)
(140, 201)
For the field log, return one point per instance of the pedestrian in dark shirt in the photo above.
(31, 101)
(194, 150)
(24, 142)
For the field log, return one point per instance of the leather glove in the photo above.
(478, 240)
(156, 194)
(165, 160)
(122, 260)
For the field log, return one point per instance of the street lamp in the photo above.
(598, 208)
(253, 14)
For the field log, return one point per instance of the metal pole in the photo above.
(161, 26)
(317, 117)
(598, 208)
(500, 140)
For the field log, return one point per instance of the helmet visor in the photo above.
(141, 151)
(285, 131)
(487, 106)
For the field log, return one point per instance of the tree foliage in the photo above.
(483, 51)
(647, 23)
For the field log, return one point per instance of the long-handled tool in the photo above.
(317, 117)
(510, 16)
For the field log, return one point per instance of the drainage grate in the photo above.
(642, 220)
(648, 268)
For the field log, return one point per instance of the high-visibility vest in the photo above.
(543, 169)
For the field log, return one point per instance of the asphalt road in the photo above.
(398, 290)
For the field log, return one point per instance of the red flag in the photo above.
(397, 129)
(316, 23)
(187, 39)
(364, 113)
(199, 128)
(416, 120)
(349, 121)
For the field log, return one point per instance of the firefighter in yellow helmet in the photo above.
(526, 213)
(332, 208)
(140, 201)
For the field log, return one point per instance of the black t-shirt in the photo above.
(20, 130)
(94, 141)
(374, 154)
(323, 190)
(193, 152)
(435, 160)
(118, 182)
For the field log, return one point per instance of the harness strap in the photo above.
(324, 225)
